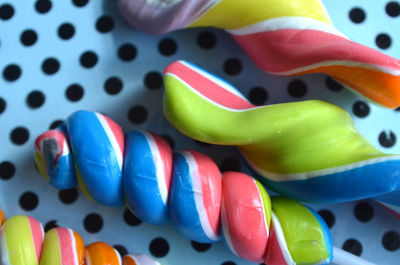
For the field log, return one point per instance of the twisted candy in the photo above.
(309, 150)
(282, 37)
(22, 242)
(187, 188)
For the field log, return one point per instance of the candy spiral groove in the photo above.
(283, 38)
(23, 242)
(185, 188)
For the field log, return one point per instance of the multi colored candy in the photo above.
(282, 37)
(22, 242)
(309, 151)
(187, 189)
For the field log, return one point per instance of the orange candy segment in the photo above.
(100, 253)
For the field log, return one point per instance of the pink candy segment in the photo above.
(209, 86)
(67, 246)
(37, 235)
(307, 47)
(243, 218)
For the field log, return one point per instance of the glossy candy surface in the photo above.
(2, 217)
(22, 243)
(282, 37)
(62, 246)
(195, 202)
(21, 239)
(194, 196)
(147, 179)
(245, 215)
(100, 253)
(298, 235)
(283, 143)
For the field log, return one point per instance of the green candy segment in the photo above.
(307, 238)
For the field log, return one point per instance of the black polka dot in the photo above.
(230, 164)
(353, 246)
(55, 124)
(361, 109)
(333, 85)
(43, 6)
(383, 41)
(19, 135)
(258, 95)
(50, 66)
(391, 241)
(104, 24)
(88, 59)
(387, 139)
(206, 39)
(137, 114)
(3, 105)
(228, 263)
(233, 66)
(328, 217)
(28, 201)
(363, 211)
(127, 52)
(28, 37)
(66, 31)
(393, 9)
(113, 85)
(68, 196)
(12, 72)
(35, 99)
(74, 92)
(357, 15)
(297, 88)
(153, 80)
(200, 247)
(167, 46)
(169, 140)
(121, 249)
(130, 218)
(6, 11)
(159, 247)
(93, 223)
(7, 170)
(50, 225)
(80, 3)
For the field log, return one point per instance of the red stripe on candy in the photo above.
(274, 254)
(166, 157)
(307, 47)
(207, 87)
(117, 131)
(37, 235)
(67, 246)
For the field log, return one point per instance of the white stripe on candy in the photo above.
(4, 249)
(73, 246)
(226, 231)
(160, 174)
(279, 23)
(111, 137)
(281, 240)
(321, 172)
(198, 196)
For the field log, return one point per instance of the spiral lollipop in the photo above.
(308, 151)
(23, 242)
(187, 189)
(282, 37)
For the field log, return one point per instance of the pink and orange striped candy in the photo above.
(21, 240)
(100, 253)
(62, 246)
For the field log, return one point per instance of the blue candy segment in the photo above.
(141, 187)
(62, 176)
(184, 214)
(363, 182)
(95, 158)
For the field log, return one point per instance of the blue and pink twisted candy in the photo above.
(140, 169)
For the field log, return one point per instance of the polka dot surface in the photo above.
(61, 56)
